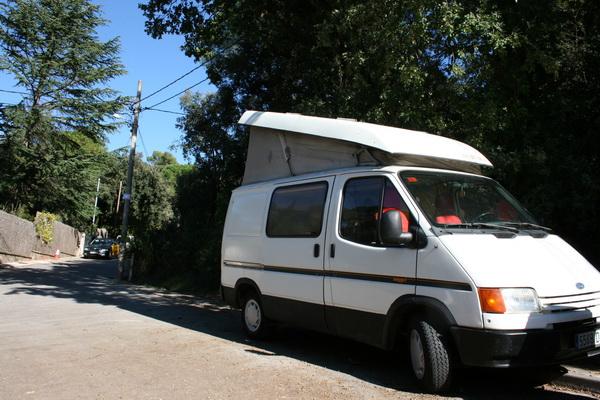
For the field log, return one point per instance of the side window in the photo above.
(365, 199)
(297, 211)
(362, 200)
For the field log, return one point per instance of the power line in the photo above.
(12, 91)
(202, 64)
(174, 81)
(143, 144)
(175, 95)
(164, 111)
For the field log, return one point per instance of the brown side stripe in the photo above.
(291, 270)
(402, 280)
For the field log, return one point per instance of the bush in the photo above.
(44, 226)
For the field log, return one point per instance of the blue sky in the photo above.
(155, 62)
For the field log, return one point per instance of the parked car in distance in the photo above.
(105, 248)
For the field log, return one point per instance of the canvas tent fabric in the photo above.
(283, 145)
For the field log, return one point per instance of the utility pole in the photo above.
(129, 187)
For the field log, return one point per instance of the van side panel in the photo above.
(292, 282)
(299, 313)
(288, 271)
(242, 237)
(436, 264)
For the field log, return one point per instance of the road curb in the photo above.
(580, 379)
(22, 264)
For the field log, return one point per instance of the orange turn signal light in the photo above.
(491, 300)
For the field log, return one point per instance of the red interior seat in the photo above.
(448, 219)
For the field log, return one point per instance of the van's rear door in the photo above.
(292, 282)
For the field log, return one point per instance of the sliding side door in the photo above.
(292, 282)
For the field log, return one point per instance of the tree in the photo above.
(543, 97)
(51, 49)
(519, 80)
(399, 63)
(162, 158)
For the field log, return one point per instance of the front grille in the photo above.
(576, 325)
(575, 302)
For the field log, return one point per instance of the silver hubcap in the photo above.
(252, 315)
(417, 355)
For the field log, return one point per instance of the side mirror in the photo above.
(391, 229)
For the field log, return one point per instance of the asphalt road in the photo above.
(68, 330)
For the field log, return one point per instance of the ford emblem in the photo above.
(579, 285)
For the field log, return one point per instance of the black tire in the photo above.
(432, 366)
(254, 322)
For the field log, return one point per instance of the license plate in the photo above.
(587, 339)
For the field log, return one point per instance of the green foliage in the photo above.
(44, 226)
(184, 254)
(162, 159)
(152, 194)
(168, 166)
(51, 143)
(151, 207)
(51, 49)
(519, 80)
(182, 249)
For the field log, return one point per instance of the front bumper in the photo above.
(522, 348)
(96, 253)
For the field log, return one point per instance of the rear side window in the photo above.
(297, 211)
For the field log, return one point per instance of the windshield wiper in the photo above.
(483, 225)
(528, 225)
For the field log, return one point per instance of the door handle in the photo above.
(332, 250)
(316, 250)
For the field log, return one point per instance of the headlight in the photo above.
(508, 300)
(86, 249)
(103, 250)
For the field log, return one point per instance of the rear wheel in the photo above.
(429, 356)
(254, 323)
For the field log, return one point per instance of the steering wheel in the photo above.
(485, 217)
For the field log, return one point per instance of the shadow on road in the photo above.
(89, 281)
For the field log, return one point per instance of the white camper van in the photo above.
(394, 238)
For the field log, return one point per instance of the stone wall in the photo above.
(18, 240)
(17, 237)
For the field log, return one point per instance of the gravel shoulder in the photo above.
(68, 330)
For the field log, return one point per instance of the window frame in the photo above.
(380, 243)
(267, 233)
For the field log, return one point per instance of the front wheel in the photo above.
(254, 323)
(429, 356)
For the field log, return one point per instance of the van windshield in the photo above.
(450, 199)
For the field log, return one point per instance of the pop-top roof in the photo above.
(385, 138)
